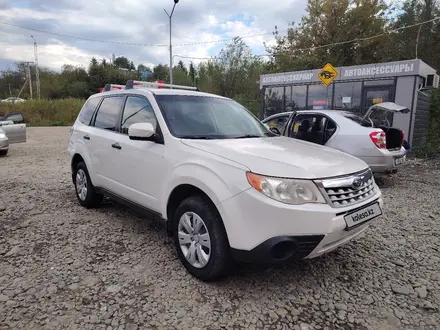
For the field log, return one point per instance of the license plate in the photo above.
(360, 216)
(399, 160)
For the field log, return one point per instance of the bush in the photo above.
(58, 112)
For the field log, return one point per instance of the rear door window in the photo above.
(88, 109)
(107, 116)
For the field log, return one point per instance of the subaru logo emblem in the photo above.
(357, 183)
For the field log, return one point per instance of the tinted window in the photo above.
(348, 95)
(273, 100)
(278, 122)
(209, 118)
(17, 118)
(108, 113)
(296, 98)
(319, 97)
(88, 110)
(137, 110)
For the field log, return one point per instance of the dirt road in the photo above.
(65, 267)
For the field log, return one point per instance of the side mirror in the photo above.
(275, 130)
(141, 131)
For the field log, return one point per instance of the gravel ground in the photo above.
(65, 267)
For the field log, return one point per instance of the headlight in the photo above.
(2, 135)
(289, 191)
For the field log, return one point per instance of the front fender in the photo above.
(207, 178)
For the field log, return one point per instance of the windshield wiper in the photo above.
(246, 136)
(199, 137)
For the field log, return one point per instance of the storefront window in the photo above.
(380, 82)
(273, 101)
(348, 96)
(320, 97)
(296, 98)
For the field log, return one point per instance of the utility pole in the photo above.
(37, 70)
(28, 76)
(171, 46)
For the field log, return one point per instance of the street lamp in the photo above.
(171, 47)
(37, 70)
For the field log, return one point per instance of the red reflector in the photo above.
(379, 138)
(403, 137)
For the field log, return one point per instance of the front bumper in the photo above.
(384, 161)
(263, 230)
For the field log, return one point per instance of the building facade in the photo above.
(356, 88)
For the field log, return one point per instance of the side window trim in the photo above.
(92, 124)
(93, 112)
(160, 139)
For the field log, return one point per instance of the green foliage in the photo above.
(46, 112)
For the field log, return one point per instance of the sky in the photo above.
(195, 24)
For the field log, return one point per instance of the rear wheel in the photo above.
(85, 191)
(200, 238)
(3, 152)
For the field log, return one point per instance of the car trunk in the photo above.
(394, 137)
(378, 115)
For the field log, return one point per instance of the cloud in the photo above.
(195, 23)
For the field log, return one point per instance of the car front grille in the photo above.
(348, 190)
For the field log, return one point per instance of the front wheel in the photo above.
(201, 240)
(3, 152)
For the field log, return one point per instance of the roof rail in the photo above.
(109, 87)
(136, 83)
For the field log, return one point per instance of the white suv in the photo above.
(227, 188)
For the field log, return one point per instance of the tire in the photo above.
(3, 152)
(88, 197)
(219, 262)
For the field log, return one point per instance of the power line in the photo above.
(330, 44)
(364, 39)
(136, 44)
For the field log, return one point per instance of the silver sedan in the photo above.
(370, 138)
(4, 143)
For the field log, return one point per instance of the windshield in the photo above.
(204, 117)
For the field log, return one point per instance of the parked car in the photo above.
(4, 143)
(14, 100)
(224, 185)
(12, 130)
(370, 138)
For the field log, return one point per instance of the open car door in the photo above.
(14, 127)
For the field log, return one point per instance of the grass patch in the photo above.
(60, 112)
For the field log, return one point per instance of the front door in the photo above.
(141, 165)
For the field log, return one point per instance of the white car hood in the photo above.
(282, 157)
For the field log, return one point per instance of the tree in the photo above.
(332, 22)
(122, 62)
(161, 72)
(192, 74)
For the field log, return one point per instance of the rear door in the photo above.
(104, 141)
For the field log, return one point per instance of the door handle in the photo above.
(116, 146)
(86, 137)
